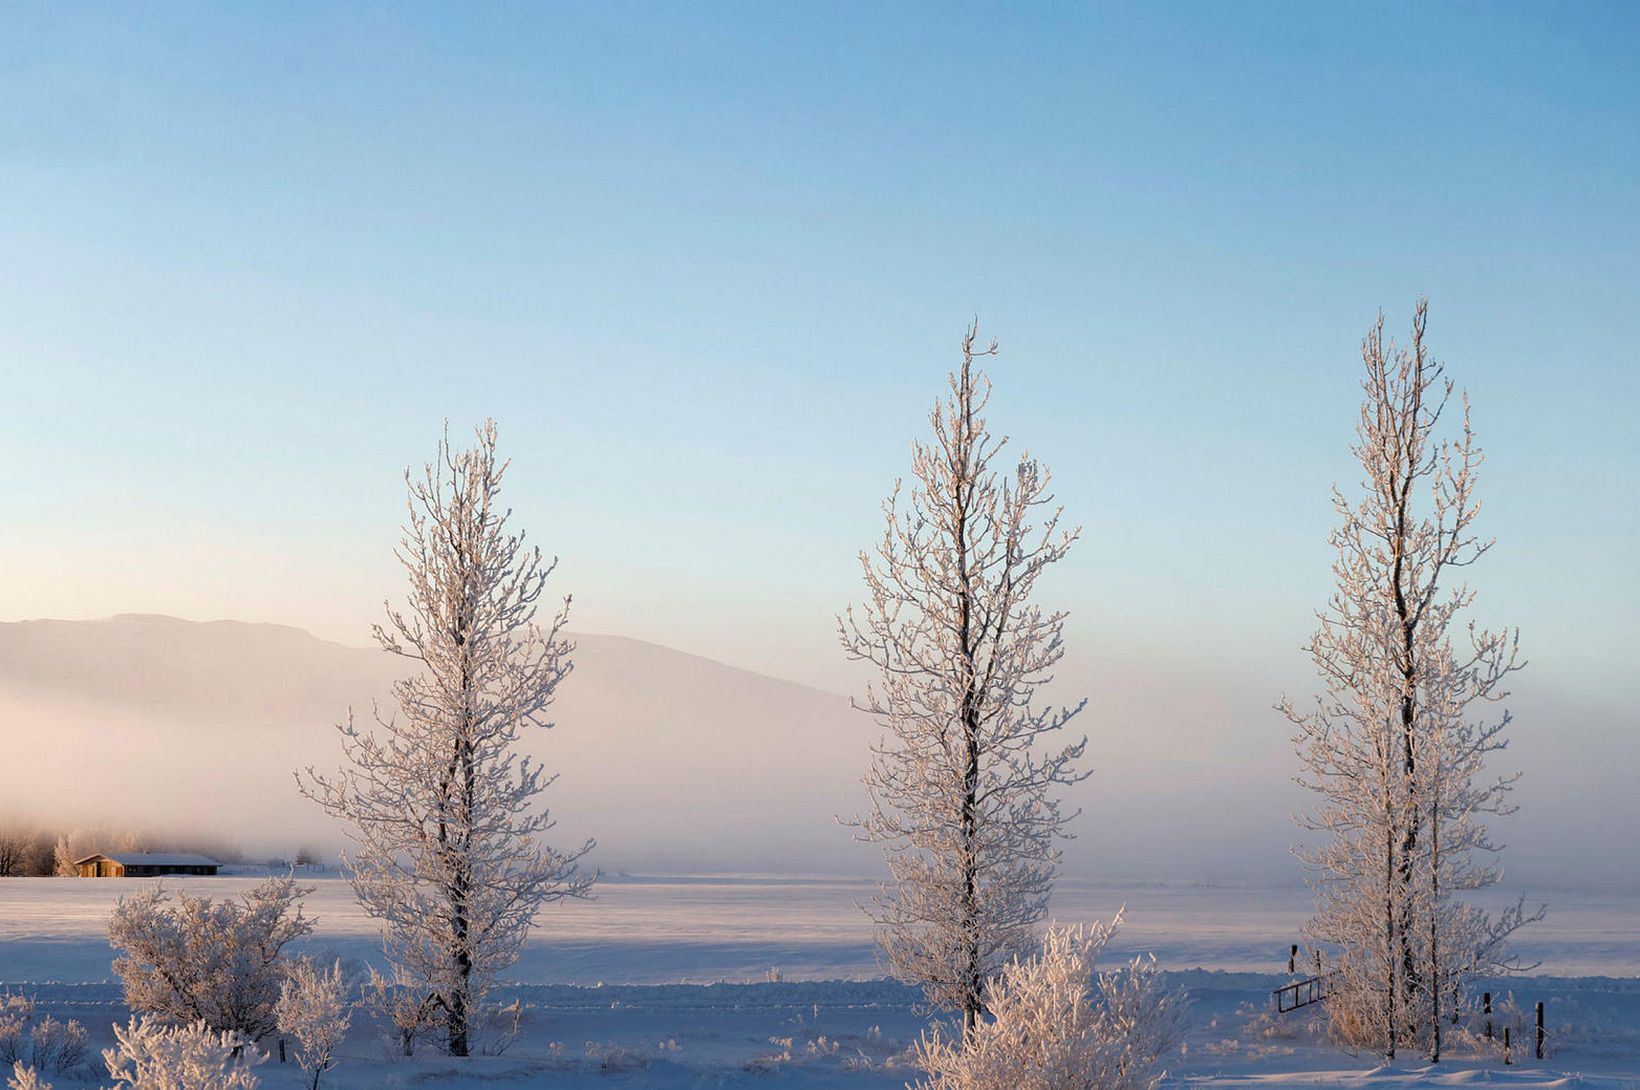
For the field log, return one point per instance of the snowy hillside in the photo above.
(675, 762)
(667, 758)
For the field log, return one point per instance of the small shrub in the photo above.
(616, 1058)
(313, 1010)
(16, 1013)
(407, 1008)
(1056, 1026)
(24, 1077)
(153, 1056)
(46, 1045)
(498, 1028)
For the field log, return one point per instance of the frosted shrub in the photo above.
(57, 1046)
(154, 1056)
(24, 1077)
(409, 1009)
(199, 960)
(613, 1058)
(16, 1012)
(1057, 1026)
(499, 1029)
(46, 1045)
(312, 1009)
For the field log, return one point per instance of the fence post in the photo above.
(1486, 1009)
(1507, 1059)
(1292, 959)
(1540, 1029)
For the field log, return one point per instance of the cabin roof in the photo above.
(153, 859)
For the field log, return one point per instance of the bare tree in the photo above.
(963, 787)
(1392, 751)
(16, 848)
(440, 805)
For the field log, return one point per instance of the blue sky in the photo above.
(708, 265)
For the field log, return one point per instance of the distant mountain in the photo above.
(668, 759)
(675, 762)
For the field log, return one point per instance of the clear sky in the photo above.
(708, 265)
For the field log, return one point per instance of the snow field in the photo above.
(854, 1034)
(658, 1020)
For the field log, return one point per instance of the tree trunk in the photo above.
(973, 969)
(1434, 981)
(1389, 942)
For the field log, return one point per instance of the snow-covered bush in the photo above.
(45, 1045)
(24, 1077)
(313, 1010)
(199, 960)
(57, 1046)
(16, 1012)
(613, 1058)
(409, 1008)
(155, 1056)
(1056, 1025)
(498, 1029)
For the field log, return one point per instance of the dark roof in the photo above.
(153, 859)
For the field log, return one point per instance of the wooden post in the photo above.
(1507, 1059)
(1292, 960)
(1486, 1009)
(1540, 1029)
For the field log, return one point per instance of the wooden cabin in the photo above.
(143, 864)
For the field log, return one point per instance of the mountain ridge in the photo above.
(665, 756)
(571, 634)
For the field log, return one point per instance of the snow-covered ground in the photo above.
(657, 1018)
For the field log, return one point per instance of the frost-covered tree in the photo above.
(964, 786)
(209, 961)
(70, 847)
(1057, 1024)
(1395, 750)
(441, 807)
(151, 1055)
(313, 1008)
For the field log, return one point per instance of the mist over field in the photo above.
(677, 763)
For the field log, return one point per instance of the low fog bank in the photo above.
(190, 732)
